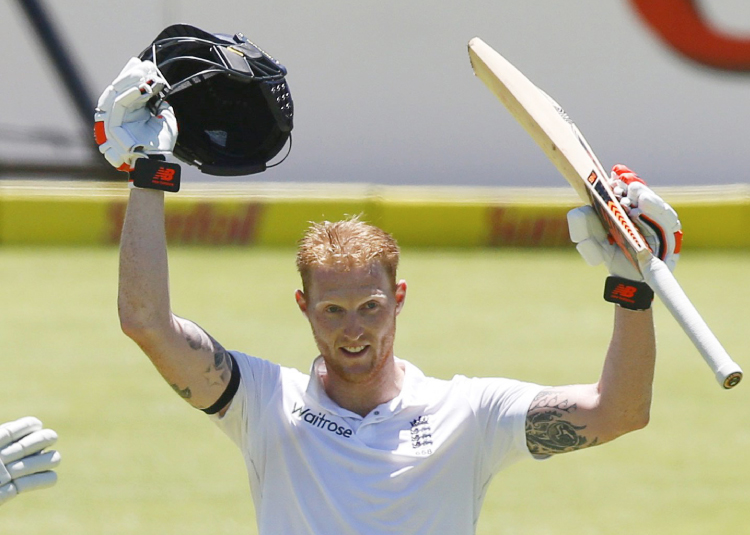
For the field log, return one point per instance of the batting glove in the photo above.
(24, 466)
(656, 220)
(124, 128)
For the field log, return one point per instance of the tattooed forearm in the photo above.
(183, 392)
(548, 429)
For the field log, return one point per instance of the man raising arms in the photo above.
(366, 443)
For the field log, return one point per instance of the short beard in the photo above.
(375, 365)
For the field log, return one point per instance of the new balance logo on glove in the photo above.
(624, 292)
(156, 174)
(630, 294)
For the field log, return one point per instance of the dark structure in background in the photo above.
(82, 99)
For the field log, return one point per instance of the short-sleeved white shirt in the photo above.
(419, 464)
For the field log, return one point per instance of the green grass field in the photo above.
(138, 460)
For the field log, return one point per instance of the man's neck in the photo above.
(362, 397)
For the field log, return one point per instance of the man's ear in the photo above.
(301, 301)
(400, 295)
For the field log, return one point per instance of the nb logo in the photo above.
(622, 290)
(165, 174)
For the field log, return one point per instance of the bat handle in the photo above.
(660, 279)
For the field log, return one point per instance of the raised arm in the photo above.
(196, 366)
(192, 362)
(574, 417)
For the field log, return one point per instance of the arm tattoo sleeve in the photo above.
(548, 426)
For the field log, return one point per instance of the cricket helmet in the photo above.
(231, 100)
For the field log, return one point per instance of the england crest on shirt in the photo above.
(421, 435)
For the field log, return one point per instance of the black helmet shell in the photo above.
(232, 103)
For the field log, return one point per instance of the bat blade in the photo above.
(560, 140)
(564, 145)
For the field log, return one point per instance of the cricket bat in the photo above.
(565, 146)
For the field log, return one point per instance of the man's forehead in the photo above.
(371, 277)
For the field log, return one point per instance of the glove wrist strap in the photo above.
(630, 294)
(154, 173)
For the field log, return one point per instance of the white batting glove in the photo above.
(656, 220)
(24, 466)
(124, 128)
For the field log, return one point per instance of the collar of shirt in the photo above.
(409, 396)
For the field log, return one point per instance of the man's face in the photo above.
(353, 318)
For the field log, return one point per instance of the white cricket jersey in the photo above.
(418, 465)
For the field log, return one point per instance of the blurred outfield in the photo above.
(138, 460)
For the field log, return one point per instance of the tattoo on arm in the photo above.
(184, 393)
(548, 429)
(196, 337)
(220, 371)
(216, 373)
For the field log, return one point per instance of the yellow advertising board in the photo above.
(276, 215)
